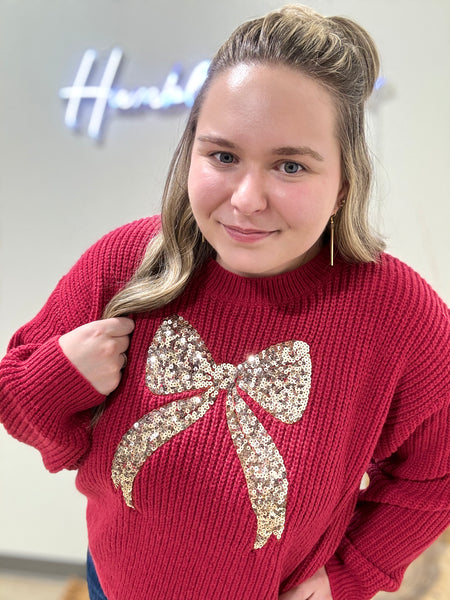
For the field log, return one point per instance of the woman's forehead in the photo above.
(273, 104)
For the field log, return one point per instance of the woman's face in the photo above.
(265, 172)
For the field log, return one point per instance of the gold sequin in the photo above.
(278, 378)
(263, 468)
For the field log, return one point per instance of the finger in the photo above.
(118, 326)
(120, 361)
(121, 344)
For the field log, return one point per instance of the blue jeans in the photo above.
(95, 589)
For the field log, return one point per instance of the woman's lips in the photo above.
(246, 235)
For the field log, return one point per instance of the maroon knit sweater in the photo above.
(227, 463)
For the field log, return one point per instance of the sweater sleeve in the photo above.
(405, 508)
(44, 400)
(407, 504)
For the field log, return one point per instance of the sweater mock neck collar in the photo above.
(274, 289)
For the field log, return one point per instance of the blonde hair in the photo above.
(338, 54)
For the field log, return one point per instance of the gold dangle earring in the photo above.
(332, 232)
(332, 240)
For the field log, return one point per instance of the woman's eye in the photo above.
(291, 168)
(224, 157)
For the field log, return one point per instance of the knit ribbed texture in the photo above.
(379, 401)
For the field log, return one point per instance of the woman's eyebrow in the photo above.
(214, 139)
(299, 150)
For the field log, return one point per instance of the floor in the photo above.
(13, 587)
(428, 578)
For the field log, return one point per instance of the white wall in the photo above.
(60, 191)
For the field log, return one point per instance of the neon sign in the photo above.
(104, 95)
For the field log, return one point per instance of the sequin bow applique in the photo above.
(278, 379)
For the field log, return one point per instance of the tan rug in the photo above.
(428, 578)
(76, 590)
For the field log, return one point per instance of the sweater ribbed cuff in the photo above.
(352, 577)
(53, 393)
(56, 380)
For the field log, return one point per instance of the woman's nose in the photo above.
(249, 195)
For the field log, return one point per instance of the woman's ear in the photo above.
(342, 195)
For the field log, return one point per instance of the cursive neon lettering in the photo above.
(104, 95)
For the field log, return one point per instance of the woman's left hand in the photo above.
(316, 587)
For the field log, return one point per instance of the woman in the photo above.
(263, 356)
